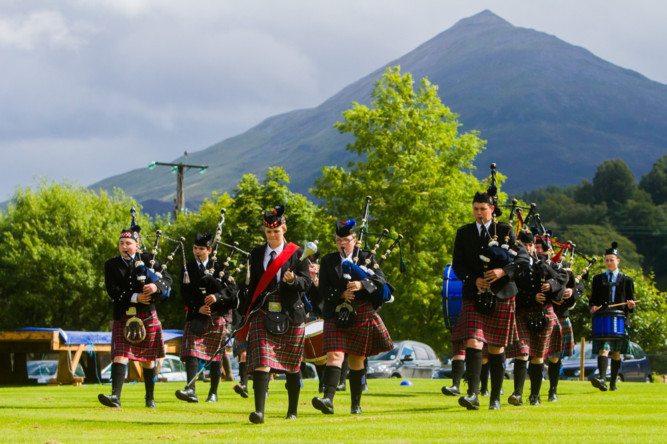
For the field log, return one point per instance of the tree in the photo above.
(55, 240)
(655, 181)
(613, 182)
(416, 167)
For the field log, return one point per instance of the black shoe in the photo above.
(241, 390)
(451, 391)
(534, 399)
(324, 405)
(515, 399)
(150, 403)
(341, 388)
(355, 410)
(599, 384)
(470, 402)
(188, 395)
(109, 401)
(212, 397)
(290, 416)
(612, 388)
(494, 404)
(484, 393)
(553, 397)
(257, 418)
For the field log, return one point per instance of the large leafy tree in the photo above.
(55, 240)
(655, 181)
(614, 182)
(416, 167)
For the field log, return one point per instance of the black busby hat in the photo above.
(347, 228)
(482, 198)
(526, 237)
(130, 234)
(613, 250)
(203, 240)
(274, 218)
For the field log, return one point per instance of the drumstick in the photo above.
(621, 303)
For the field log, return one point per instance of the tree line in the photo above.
(413, 162)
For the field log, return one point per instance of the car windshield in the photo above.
(576, 354)
(386, 356)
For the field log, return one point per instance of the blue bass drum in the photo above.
(608, 325)
(452, 297)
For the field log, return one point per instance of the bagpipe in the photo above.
(134, 330)
(353, 271)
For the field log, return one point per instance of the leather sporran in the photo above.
(276, 322)
(485, 303)
(346, 315)
(199, 324)
(134, 330)
(536, 321)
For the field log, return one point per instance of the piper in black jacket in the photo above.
(209, 299)
(474, 327)
(367, 336)
(608, 288)
(132, 298)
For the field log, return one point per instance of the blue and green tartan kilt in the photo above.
(204, 346)
(615, 345)
(150, 349)
(281, 353)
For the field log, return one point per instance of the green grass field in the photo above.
(392, 414)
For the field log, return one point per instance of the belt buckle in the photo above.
(275, 306)
(131, 311)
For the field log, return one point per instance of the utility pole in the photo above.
(179, 169)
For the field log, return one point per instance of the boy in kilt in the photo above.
(270, 350)
(133, 299)
(209, 300)
(609, 288)
(573, 290)
(367, 334)
(539, 283)
(476, 325)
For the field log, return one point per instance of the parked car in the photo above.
(172, 370)
(408, 359)
(445, 372)
(635, 365)
(44, 371)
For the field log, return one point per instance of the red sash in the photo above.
(269, 274)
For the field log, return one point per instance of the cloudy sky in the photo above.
(93, 88)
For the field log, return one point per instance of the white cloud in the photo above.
(38, 28)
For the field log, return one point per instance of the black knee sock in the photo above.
(356, 382)
(484, 377)
(554, 374)
(344, 369)
(615, 367)
(535, 371)
(497, 374)
(118, 372)
(473, 369)
(215, 377)
(603, 361)
(519, 376)
(149, 382)
(458, 367)
(331, 378)
(320, 372)
(191, 367)
(293, 385)
(243, 373)
(260, 384)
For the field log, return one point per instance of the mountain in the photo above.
(550, 111)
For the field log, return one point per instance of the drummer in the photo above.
(611, 288)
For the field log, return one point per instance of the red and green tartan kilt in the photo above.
(150, 349)
(281, 353)
(204, 346)
(567, 335)
(497, 329)
(537, 345)
(459, 348)
(368, 337)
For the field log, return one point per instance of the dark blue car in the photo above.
(635, 365)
